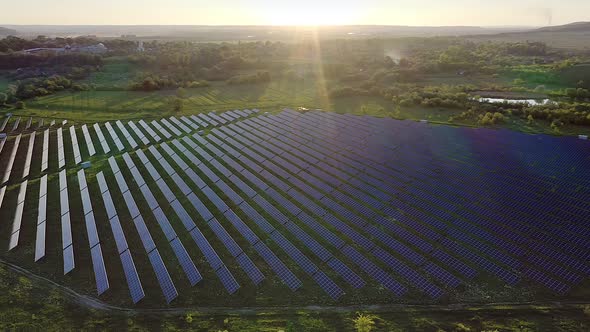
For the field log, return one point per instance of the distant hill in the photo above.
(7, 32)
(572, 27)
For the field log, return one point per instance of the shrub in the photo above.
(20, 105)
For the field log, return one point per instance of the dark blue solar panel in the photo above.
(144, 234)
(303, 261)
(409, 274)
(283, 202)
(100, 274)
(346, 273)
(184, 217)
(163, 277)
(232, 163)
(395, 245)
(208, 173)
(120, 240)
(355, 236)
(246, 189)
(250, 163)
(215, 199)
(442, 275)
(556, 286)
(274, 181)
(256, 217)
(271, 210)
(278, 266)
(311, 206)
(254, 179)
(164, 224)
(228, 280)
(200, 207)
(321, 230)
(306, 188)
(186, 262)
(309, 242)
(251, 270)
(133, 282)
(229, 192)
(374, 271)
(505, 275)
(241, 227)
(224, 237)
(206, 248)
(328, 285)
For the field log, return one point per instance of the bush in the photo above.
(20, 105)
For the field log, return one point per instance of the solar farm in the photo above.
(249, 208)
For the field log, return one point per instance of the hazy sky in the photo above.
(262, 12)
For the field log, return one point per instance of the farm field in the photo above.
(238, 208)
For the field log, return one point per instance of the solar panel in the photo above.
(207, 250)
(251, 270)
(309, 242)
(12, 158)
(180, 125)
(133, 282)
(40, 241)
(68, 254)
(228, 280)
(186, 262)
(200, 207)
(164, 224)
(88, 139)
(346, 273)
(118, 234)
(239, 224)
(184, 217)
(225, 238)
(303, 261)
(328, 285)
(374, 271)
(229, 192)
(215, 199)
(66, 230)
(101, 138)
(27, 166)
(256, 217)
(246, 189)
(91, 229)
(278, 266)
(150, 131)
(100, 274)
(161, 129)
(144, 234)
(163, 277)
(173, 129)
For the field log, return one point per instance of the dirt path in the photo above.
(94, 303)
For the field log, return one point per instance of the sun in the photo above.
(311, 15)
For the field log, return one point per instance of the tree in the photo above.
(177, 105)
(20, 105)
(364, 323)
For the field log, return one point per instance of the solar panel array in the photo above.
(5, 122)
(66, 227)
(41, 220)
(133, 282)
(88, 139)
(100, 273)
(114, 136)
(45, 152)
(126, 135)
(166, 284)
(344, 200)
(102, 140)
(61, 155)
(75, 147)
(18, 215)
(11, 159)
(29, 157)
